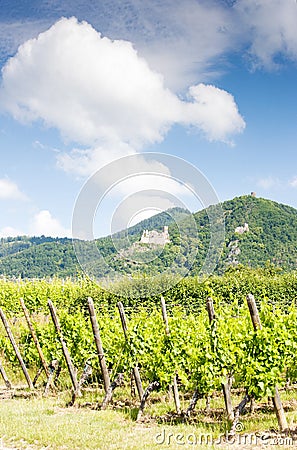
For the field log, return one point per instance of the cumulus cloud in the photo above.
(98, 92)
(178, 40)
(89, 87)
(85, 162)
(146, 174)
(141, 175)
(214, 111)
(44, 223)
(9, 190)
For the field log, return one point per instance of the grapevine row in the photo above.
(199, 353)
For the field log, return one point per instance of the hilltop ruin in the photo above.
(155, 237)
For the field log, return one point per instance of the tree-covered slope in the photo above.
(270, 236)
(32, 257)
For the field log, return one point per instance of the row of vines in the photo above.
(199, 353)
(202, 354)
(190, 293)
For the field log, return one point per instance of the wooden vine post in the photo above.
(98, 342)
(176, 395)
(210, 309)
(4, 376)
(69, 363)
(16, 349)
(167, 332)
(34, 337)
(164, 315)
(135, 369)
(254, 312)
(225, 386)
(228, 400)
(277, 403)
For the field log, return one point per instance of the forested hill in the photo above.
(257, 232)
(36, 256)
(272, 234)
(41, 256)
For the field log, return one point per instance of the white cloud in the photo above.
(99, 92)
(270, 27)
(182, 40)
(191, 37)
(214, 111)
(178, 40)
(127, 176)
(10, 232)
(145, 174)
(10, 191)
(44, 223)
(85, 162)
(185, 41)
(89, 87)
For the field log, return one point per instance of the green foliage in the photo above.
(189, 293)
(270, 243)
(202, 354)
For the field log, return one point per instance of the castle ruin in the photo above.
(155, 237)
(241, 230)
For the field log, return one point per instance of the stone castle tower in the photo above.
(155, 237)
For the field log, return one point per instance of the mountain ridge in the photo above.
(271, 238)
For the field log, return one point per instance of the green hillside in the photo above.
(270, 236)
(31, 257)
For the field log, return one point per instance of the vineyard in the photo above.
(204, 339)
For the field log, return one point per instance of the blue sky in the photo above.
(212, 82)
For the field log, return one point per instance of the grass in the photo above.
(45, 423)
